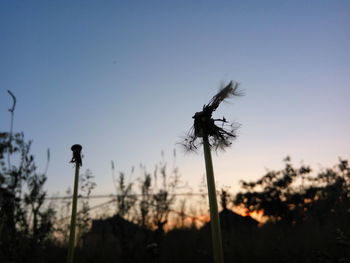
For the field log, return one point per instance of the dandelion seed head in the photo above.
(204, 126)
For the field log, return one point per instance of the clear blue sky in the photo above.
(123, 78)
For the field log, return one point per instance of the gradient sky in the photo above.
(123, 78)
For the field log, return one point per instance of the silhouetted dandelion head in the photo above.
(76, 149)
(204, 126)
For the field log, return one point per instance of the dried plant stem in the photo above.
(214, 214)
(70, 257)
(12, 110)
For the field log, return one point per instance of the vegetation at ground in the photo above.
(306, 216)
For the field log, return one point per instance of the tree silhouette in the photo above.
(24, 222)
(292, 195)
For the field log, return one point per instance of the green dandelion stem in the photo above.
(214, 214)
(71, 247)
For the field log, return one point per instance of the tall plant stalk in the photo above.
(76, 148)
(219, 137)
(213, 205)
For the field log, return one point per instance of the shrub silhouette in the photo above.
(293, 196)
(25, 224)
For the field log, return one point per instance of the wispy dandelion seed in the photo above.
(220, 136)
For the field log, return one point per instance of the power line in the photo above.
(116, 196)
(114, 200)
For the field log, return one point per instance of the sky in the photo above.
(124, 78)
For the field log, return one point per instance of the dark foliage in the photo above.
(25, 225)
(308, 222)
(293, 196)
(307, 217)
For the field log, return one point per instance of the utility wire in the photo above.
(115, 196)
(115, 200)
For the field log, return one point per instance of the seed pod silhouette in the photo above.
(204, 125)
(76, 149)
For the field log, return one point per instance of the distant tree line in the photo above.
(293, 196)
